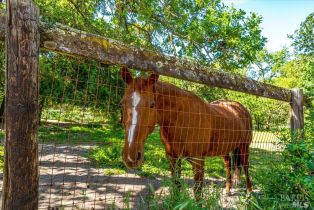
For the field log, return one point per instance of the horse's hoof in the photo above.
(227, 192)
(227, 188)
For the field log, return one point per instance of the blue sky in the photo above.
(280, 17)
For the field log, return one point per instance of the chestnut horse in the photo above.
(189, 127)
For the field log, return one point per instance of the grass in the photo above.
(183, 199)
(109, 141)
(74, 113)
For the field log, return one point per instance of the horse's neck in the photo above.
(170, 100)
(163, 96)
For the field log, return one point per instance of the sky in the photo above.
(280, 17)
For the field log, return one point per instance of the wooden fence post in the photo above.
(20, 182)
(296, 113)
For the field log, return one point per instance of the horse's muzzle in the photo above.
(133, 163)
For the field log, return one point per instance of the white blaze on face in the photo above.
(135, 101)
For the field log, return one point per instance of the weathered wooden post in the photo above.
(296, 113)
(20, 184)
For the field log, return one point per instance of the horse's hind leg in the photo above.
(175, 168)
(228, 173)
(245, 155)
(198, 170)
(237, 162)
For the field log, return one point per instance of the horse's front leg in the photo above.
(198, 170)
(175, 168)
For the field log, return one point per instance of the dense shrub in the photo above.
(289, 183)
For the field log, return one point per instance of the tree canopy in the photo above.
(303, 38)
(208, 30)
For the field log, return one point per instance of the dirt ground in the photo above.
(69, 181)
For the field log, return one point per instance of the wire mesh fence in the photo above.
(84, 133)
(113, 138)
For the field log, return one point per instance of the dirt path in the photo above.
(68, 179)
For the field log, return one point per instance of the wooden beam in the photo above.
(296, 113)
(69, 41)
(20, 182)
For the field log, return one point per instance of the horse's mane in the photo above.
(168, 89)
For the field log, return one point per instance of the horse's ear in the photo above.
(126, 75)
(153, 79)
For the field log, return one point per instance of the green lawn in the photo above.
(109, 142)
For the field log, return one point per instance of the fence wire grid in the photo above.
(82, 137)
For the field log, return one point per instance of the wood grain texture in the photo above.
(20, 184)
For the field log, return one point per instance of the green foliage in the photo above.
(268, 65)
(299, 73)
(289, 182)
(300, 70)
(78, 14)
(303, 38)
(267, 114)
(88, 85)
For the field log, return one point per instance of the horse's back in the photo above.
(233, 114)
(231, 125)
(232, 109)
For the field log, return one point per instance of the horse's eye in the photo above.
(152, 104)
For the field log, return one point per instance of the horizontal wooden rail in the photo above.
(69, 41)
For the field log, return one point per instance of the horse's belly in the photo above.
(201, 142)
(222, 142)
(188, 142)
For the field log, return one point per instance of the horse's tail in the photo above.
(237, 163)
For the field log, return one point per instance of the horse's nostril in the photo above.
(139, 155)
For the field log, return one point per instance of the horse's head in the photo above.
(139, 116)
